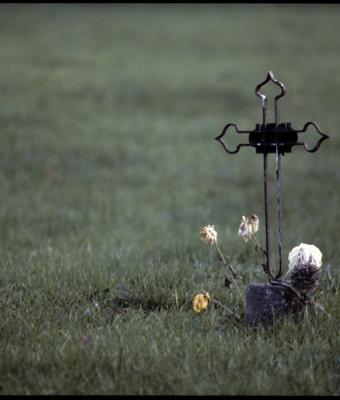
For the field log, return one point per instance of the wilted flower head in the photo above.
(305, 254)
(209, 235)
(254, 221)
(200, 302)
(248, 227)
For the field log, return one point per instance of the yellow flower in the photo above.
(248, 227)
(209, 235)
(200, 302)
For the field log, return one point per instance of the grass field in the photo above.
(108, 172)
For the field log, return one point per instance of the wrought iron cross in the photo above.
(277, 138)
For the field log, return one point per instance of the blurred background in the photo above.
(108, 114)
(109, 170)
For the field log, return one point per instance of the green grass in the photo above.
(109, 170)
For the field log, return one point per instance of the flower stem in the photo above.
(259, 247)
(233, 273)
(225, 308)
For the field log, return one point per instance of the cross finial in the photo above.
(263, 97)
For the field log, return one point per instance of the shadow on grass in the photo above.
(119, 301)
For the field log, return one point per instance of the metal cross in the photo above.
(277, 138)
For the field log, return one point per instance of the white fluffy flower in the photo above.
(304, 254)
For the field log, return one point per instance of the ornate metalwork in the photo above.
(277, 138)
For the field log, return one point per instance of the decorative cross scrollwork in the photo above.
(277, 138)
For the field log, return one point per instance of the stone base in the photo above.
(267, 302)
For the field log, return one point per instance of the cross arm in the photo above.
(219, 138)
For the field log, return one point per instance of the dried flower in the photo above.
(248, 227)
(304, 267)
(254, 222)
(209, 235)
(200, 302)
(245, 230)
(305, 254)
(304, 278)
